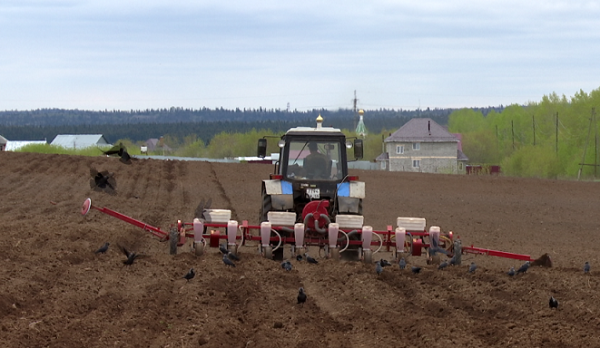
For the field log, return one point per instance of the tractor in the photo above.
(311, 184)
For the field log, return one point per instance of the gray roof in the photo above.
(461, 156)
(2, 140)
(79, 141)
(423, 130)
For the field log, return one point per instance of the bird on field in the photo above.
(511, 272)
(121, 151)
(227, 261)
(402, 263)
(378, 268)
(553, 303)
(103, 248)
(443, 265)
(223, 249)
(301, 296)
(453, 260)
(310, 259)
(233, 256)
(523, 268)
(472, 267)
(586, 267)
(384, 263)
(131, 256)
(298, 257)
(415, 269)
(190, 274)
(103, 181)
(287, 265)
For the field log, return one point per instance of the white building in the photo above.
(79, 141)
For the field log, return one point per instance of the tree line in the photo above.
(554, 138)
(59, 117)
(179, 123)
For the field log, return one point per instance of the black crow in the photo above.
(227, 261)
(103, 248)
(310, 259)
(523, 268)
(287, 265)
(384, 263)
(472, 267)
(223, 249)
(131, 256)
(378, 268)
(103, 181)
(553, 302)
(190, 274)
(301, 296)
(402, 263)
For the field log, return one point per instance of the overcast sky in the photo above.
(138, 54)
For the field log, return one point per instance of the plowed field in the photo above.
(56, 292)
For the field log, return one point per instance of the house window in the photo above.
(416, 163)
(416, 146)
(399, 149)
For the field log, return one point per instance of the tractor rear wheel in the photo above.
(266, 206)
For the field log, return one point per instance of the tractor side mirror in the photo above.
(358, 149)
(262, 148)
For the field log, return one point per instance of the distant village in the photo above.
(420, 145)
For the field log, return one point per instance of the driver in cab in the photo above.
(316, 163)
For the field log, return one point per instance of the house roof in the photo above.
(153, 143)
(423, 130)
(461, 156)
(2, 140)
(79, 141)
(383, 157)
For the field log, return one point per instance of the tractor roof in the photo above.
(315, 131)
(319, 130)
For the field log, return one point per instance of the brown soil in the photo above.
(55, 292)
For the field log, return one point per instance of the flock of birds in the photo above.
(228, 257)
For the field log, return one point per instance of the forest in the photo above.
(556, 137)
(204, 123)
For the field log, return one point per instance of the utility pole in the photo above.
(595, 142)
(512, 127)
(556, 137)
(533, 120)
(587, 143)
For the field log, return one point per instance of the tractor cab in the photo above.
(312, 167)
